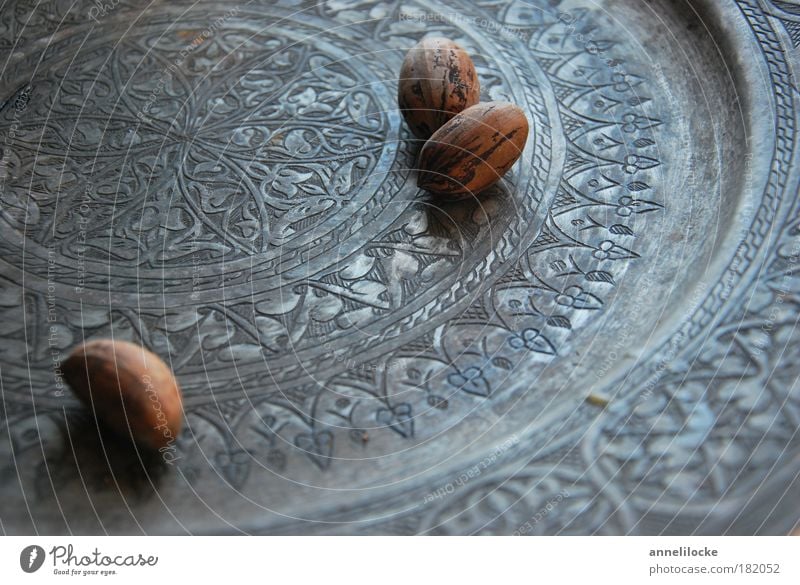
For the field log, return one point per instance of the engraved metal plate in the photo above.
(604, 343)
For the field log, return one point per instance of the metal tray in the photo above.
(605, 343)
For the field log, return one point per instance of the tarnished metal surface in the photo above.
(603, 344)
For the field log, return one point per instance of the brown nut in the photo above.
(130, 389)
(473, 150)
(437, 81)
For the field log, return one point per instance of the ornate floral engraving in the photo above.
(242, 202)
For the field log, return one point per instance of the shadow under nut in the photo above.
(129, 389)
